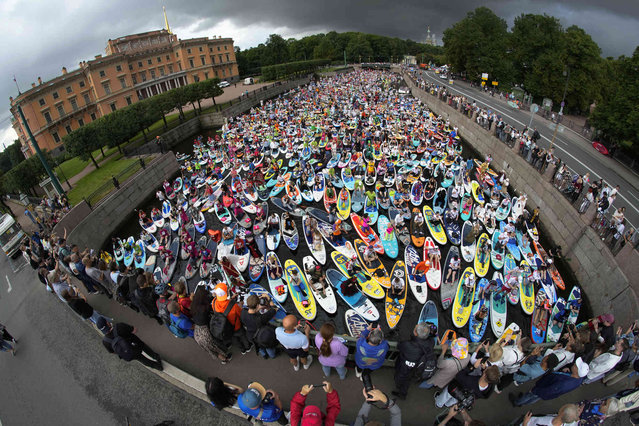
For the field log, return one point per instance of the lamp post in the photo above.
(561, 109)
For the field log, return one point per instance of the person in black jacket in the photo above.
(78, 303)
(145, 297)
(256, 317)
(466, 383)
(201, 312)
(120, 339)
(420, 345)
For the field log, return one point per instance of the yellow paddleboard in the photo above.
(305, 304)
(394, 310)
(482, 259)
(437, 232)
(376, 269)
(463, 303)
(369, 286)
(526, 290)
(344, 204)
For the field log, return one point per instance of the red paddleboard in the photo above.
(369, 236)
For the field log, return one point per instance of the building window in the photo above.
(177, 54)
(161, 69)
(112, 105)
(102, 73)
(180, 66)
(202, 60)
(220, 57)
(134, 79)
(210, 49)
(87, 99)
(215, 71)
(159, 59)
(130, 67)
(60, 108)
(200, 48)
(56, 138)
(212, 59)
(128, 100)
(196, 78)
(218, 48)
(68, 129)
(139, 64)
(47, 116)
(80, 122)
(226, 48)
(123, 82)
(152, 73)
(143, 76)
(55, 95)
(227, 58)
(92, 116)
(41, 102)
(149, 61)
(206, 76)
(168, 58)
(188, 51)
(74, 104)
(107, 88)
(81, 83)
(223, 72)
(118, 68)
(191, 63)
(170, 68)
(68, 89)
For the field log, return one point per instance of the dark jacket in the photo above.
(124, 330)
(410, 351)
(81, 307)
(466, 380)
(555, 384)
(145, 300)
(254, 321)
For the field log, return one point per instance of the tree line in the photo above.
(120, 126)
(335, 47)
(547, 60)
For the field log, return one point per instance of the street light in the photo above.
(561, 109)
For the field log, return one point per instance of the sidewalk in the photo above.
(278, 374)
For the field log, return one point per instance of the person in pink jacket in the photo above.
(311, 415)
(332, 351)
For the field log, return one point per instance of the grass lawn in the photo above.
(96, 178)
(71, 167)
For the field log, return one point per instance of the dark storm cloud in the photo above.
(42, 36)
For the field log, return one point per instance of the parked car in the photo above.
(248, 81)
(223, 84)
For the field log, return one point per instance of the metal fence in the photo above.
(115, 182)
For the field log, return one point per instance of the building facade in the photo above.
(134, 67)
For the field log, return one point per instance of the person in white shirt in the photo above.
(564, 355)
(568, 414)
(606, 362)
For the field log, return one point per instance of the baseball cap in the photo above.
(102, 325)
(459, 348)
(253, 395)
(582, 367)
(608, 318)
(312, 416)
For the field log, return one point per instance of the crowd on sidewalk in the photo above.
(593, 352)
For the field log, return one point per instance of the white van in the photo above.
(248, 81)
(11, 235)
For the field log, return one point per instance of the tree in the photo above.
(617, 116)
(211, 88)
(81, 142)
(276, 51)
(11, 156)
(359, 49)
(478, 44)
(24, 176)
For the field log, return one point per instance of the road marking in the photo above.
(9, 283)
(595, 175)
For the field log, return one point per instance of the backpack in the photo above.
(177, 331)
(163, 311)
(220, 327)
(123, 348)
(265, 337)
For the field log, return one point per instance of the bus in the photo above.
(11, 235)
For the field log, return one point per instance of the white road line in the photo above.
(595, 175)
(9, 283)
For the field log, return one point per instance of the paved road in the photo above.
(571, 147)
(62, 374)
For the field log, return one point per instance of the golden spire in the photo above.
(166, 21)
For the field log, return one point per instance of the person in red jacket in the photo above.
(311, 415)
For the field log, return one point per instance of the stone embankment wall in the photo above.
(611, 283)
(100, 223)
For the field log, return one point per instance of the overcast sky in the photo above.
(40, 37)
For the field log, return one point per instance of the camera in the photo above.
(264, 301)
(465, 399)
(368, 382)
(268, 397)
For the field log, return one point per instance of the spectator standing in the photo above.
(420, 346)
(181, 326)
(370, 350)
(6, 340)
(120, 339)
(221, 304)
(258, 330)
(605, 362)
(568, 414)
(333, 351)
(535, 366)
(311, 415)
(221, 394)
(261, 404)
(379, 399)
(201, 316)
(449, 366)
(468, 383)
(295, 342)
